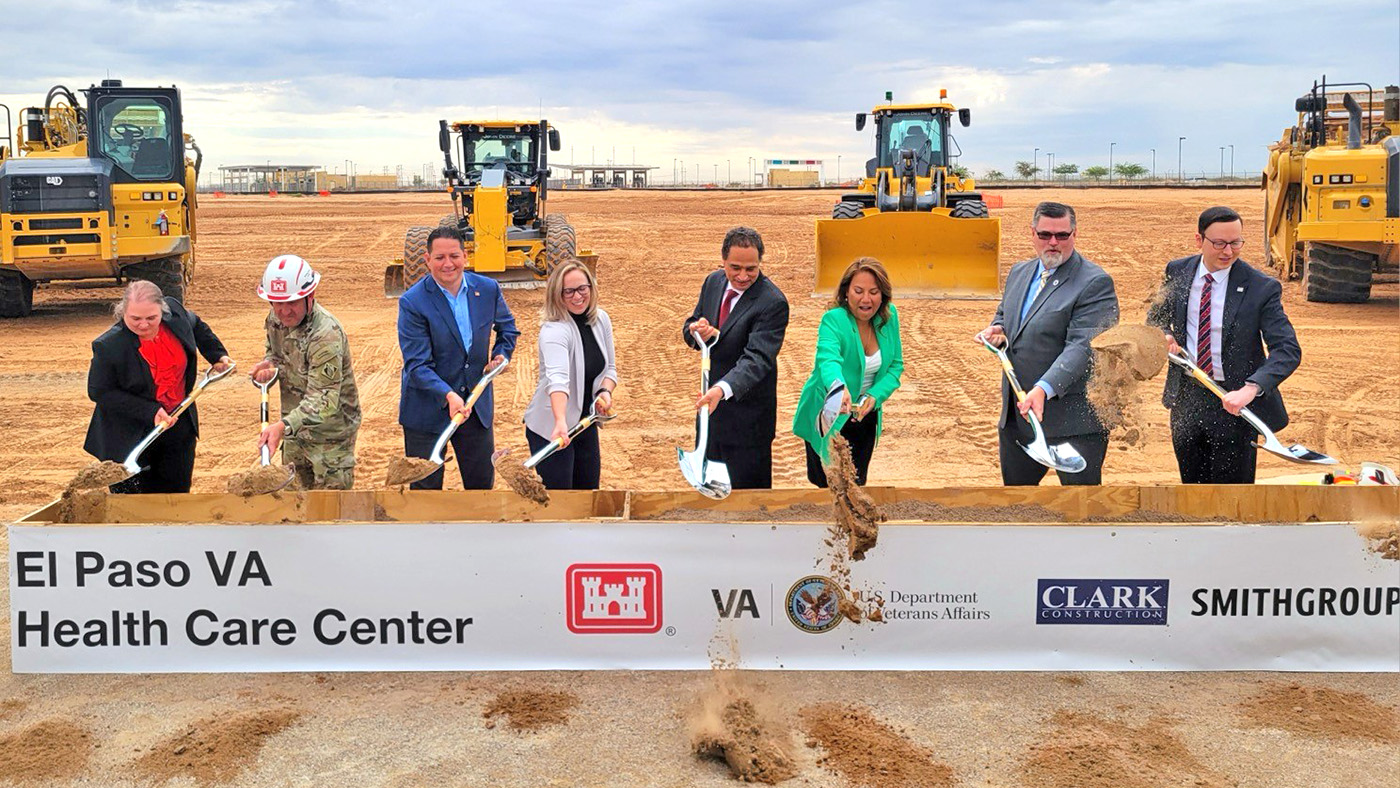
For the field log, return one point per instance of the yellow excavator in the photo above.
(97, 190)
(499, 196)
(929, 227)
(1332, 193)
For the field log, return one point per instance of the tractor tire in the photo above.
(560, 242)
(167, 273)
(969, 209)
(415, 255)
(847, 210)
(16, 294)
(450, 220)
(1334, 275)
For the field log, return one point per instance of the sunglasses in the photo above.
(1046, 235)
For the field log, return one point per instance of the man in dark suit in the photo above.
(142, 368)
(1222, 312)
(750, 315)
(445, 325)
(1053, 305)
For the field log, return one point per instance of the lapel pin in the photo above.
(1239, 290)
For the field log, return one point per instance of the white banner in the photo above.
(667, 596)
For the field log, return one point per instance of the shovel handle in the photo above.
(1008, 369)
(1197, 373)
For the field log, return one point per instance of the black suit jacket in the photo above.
(745, 357)
(120, 382)
(1254, 318)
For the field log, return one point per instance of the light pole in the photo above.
(1180, 173)
(1222, 161)
(673, 171)
(697, 173)
(838, 168)
(1110, 161)
(682, 172)
(729, 170)
(1232, 162)
(1035, 166)
(1050, 166)
(1154, 164)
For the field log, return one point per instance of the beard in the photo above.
(1052, 257)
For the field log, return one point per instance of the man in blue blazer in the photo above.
(445, 325)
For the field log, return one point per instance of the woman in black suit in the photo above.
(142, 368)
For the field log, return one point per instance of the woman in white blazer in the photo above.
(577, 366)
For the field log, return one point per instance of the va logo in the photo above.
(814, 604)
(736, 604)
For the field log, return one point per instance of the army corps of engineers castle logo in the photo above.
(814, 604)
(613, 598)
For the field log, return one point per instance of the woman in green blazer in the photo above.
(858, 352)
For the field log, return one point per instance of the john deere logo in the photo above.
(814, 604)
(54, 180)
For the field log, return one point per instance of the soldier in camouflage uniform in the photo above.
(307, 349)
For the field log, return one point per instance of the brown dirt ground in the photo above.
(415, 729)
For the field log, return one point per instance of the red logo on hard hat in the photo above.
(279, 286)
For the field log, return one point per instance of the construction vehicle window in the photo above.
(135, 133)
(920, 132)
(490, 149)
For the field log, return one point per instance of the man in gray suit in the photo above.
(1051, 307)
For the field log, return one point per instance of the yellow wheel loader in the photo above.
(1332, 193)
(101, 190)
(499, 194)
(930, 228)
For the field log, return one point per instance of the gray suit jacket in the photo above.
(1052, 343)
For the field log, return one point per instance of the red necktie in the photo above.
(730, 296)
(1203, 354)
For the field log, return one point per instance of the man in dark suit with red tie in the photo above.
(749, 314)
(1222, 312)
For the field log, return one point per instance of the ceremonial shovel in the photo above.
(1295, 453)
(266, 453)
(831, 410)
(132, 463)
(709, 478)
(1060, 456)
(457, 420)
(584, 423)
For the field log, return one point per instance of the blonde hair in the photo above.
(141, 291)
(554, 309)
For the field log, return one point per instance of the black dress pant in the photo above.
(574, 467)
(168, 463)
(750, 464)
(1018, 469)
(861, 435)
(1212, 447)
(472, 445)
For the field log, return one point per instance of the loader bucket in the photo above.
(394, 279)
(927, 254)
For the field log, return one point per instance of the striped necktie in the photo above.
(1203, 354)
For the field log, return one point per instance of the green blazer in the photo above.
(841, 357)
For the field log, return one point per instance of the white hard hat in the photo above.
(288, 278)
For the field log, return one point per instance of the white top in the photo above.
(872, 366)
(1220, 281)
(561, 369)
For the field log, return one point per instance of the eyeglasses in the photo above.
(1046, 235)
(1220, 245)
(581, 290)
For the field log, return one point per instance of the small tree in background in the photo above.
(994, 175)
(1095, 172)
(960, 171)
(1065, 170)
(1026, 170)
(1129, 170)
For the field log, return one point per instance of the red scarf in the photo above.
(166, 358)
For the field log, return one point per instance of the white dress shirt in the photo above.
(1219, 286)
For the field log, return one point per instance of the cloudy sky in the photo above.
(713, 83)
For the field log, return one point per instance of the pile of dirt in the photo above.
(1124, 356)
(215, 749)
(12, 708)
(407, 470)
(1322, 713)
(524, 481)
(868, 752)
(857, 516)
(1145, 516)
(98, 474)
(530, 709)
(260, 480)
(1382, 536)
(930, 511)
(82, 506)
(1086, 751)
(50, 750)
(737, 723)
(796, 513)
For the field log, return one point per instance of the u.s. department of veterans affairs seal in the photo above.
(813, 604)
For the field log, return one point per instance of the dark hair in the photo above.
(882, 280)
(445, 231)
(747, 237)
(1054, 210)
(1217, 214)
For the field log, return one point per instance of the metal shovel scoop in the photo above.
(584, 423)
(132, 463)
(477, 391)
(266, 452)
(709, 478)
(1295, 453)
(1061, 457)
(831, 409)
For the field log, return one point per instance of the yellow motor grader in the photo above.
(97, 190)
(930, 228)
